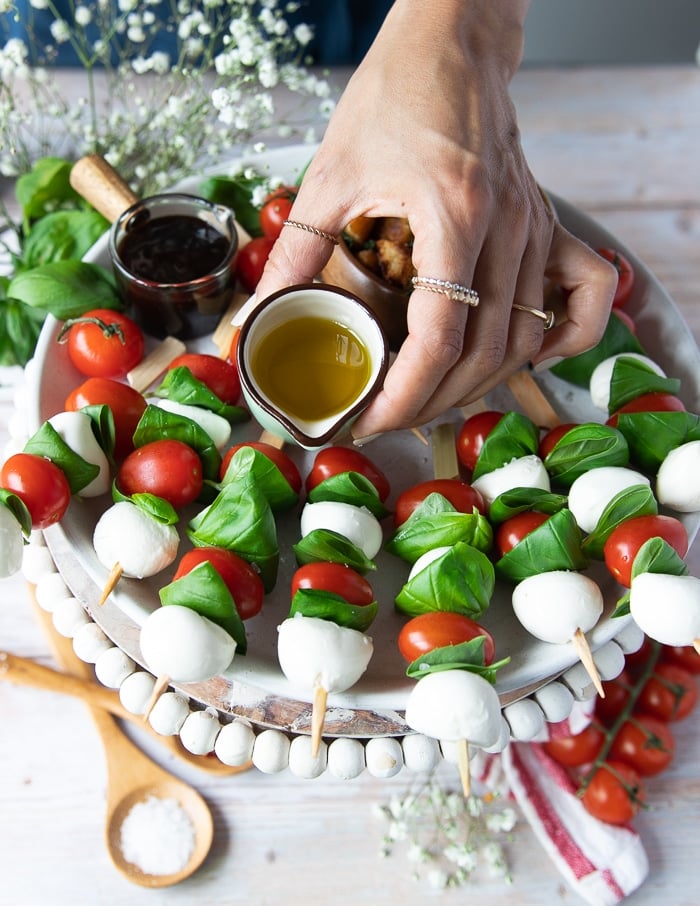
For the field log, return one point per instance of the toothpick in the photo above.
(445, 462)
(155, 363)
(464, 766)
(318, 717)
(114, 576)
(580, 643)
(533, 402)
(161, 684)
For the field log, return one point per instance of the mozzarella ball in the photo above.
(552, 606)
(355, 523)
(75, 428)
(599, 384)
(678, 478)
(11, 543)
(591, 492)
(216, 426)
(455, 705)
(314, 652)
(524, 472)
(141, 545)
(667, 608)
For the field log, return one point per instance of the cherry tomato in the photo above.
(334, 577)
(472, 435)
(439, 628)
(513, 530)
(581, 748)
(617, 694)
(103, 343)
(615, 793)
(684, 656)
(669, 694)
(220, 376)
(127, 406)
(649, 402)
(276, 210)
(552, 438)
(626, 320)
(241, 579)
(625, 275)
(286, 465)
(335, 460)
(461, 495)
(645, 744)
(623, 544)
(40, 484)
(251, 261)
(167, 468)
(639, 660)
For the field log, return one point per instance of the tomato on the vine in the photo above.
(251, 261)
(167, 468)
(461, 495)
(625, 275)
(241, 579)
(219, 375)
(645, 743)
(103, 343)
(513, 530)
(126, 404)
(40, 485)
(284, 463)
(656, 401)
(624, 542)
(670, 693)
(276, 210)
(439, 628)
(684, 656)
(472, 435)
(579, 749)
(614, 793)
(552, 438)
(337, 578)
(336, 460)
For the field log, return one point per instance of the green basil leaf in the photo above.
(19, 510)
(521, 500)
(66, 289)
(622, 608)
(617, 338)
(326, 605)
(159, 424)
(637, 500)
(61, 235)
(461, 580)
(657, 556)
(352, 488)
(181, 386)
(585, 447)
(463, 656)
(515, 435)
(555, 544)
(252, 466)
(156, 507)
(236, 192)
(241, 520)
(45, 188)
(20, 326)
(203, 590)
(436, 523)
(652, 435)
(324, 545)
(631, 378)
(47, 442)
(102, 427)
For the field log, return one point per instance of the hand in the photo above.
(426, 130)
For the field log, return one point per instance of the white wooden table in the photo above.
(622, 144)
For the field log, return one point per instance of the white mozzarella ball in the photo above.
(666, 608)
(314, 652)
(552, 606)
(75, 429)
(524, 472)
(179, 643)
(426, 559)
(127, 535)
(455, 705)
(678, 478)
(355, 523)
(599, 384)
(591, 492)
(216, 426)
(11, 544)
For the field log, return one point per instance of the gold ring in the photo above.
(456, 292)
(547, 315)
(322, 234)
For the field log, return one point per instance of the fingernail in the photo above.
(546, 364)
(361, 441)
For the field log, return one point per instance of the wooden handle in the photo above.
(101, 185)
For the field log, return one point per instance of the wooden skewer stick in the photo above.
(161, 684)
(113, 578)
(533, 402)
(464, 766)
(580, 643)
(421, 437)
(696, 645)
(318, 717)
(155, 363)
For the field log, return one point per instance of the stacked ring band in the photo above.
(456, 292)
(322, 234)
(547, 315)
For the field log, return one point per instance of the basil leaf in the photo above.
(586, 447)
(326, 605)
(617, 338)
(349, 487)
(48, 443)
(463, 656)
(46, 187)
(236, 192)
(436, 523)
(521, 500)
(102, 427)
(553, 545)
(156, 507)
(159, 424)
(181, 386)
(461, 581)
(252, 466)
(240, 519)
(204, 590)
(20, 326)
(631, 378)
(324, 545)
(66, 289)
(657, 556)
(513, 436)
(637, 500)
(19, 510)
(61, 235)
(622, 608)
(652, 435)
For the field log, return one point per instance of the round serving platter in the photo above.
(254, 686)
